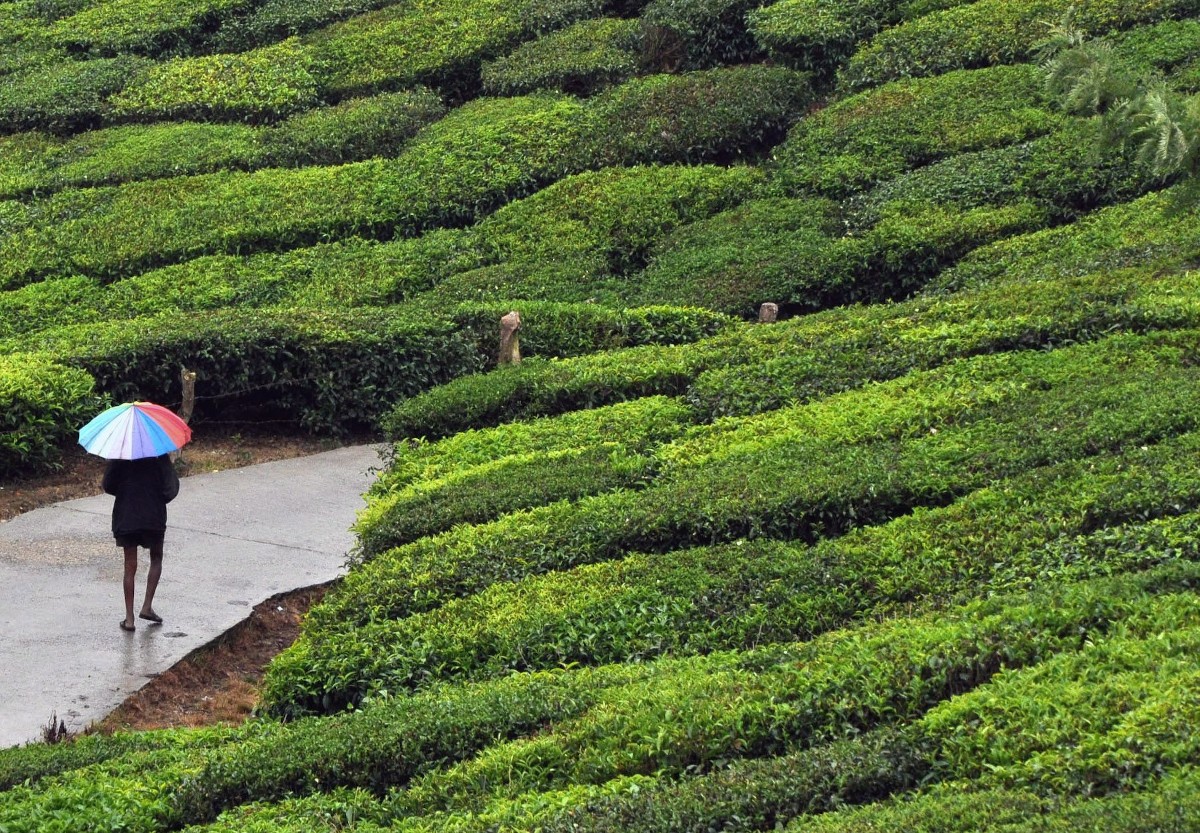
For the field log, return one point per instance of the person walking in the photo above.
(142, 488)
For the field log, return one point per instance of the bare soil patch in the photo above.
(219, 682)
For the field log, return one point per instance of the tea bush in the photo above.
(68, 95)
(759, 368)
(41, 405)
(866, 138)
(356, 129)
(258, 86)
(560, 330)
(327, 371)
(714, 115)
(782, 251)
(697, 34)
(263, 23)
(643, 422)
(581, 59)
(991, 32)
(610, 217)
(800, 473)
(1062, 172)
(750, 593)
(1168, 804)
(812, 359)
(441, 43)
(820, 36)
(1148, 232)
(483, 154)
(143, 26)
(349, 273)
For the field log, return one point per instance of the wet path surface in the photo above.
(233, 539)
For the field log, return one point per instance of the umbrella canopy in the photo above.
(134, 430)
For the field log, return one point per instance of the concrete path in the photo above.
(234, 538)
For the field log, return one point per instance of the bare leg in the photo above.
(127, 584)
(156, 558)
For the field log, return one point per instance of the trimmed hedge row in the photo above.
(1031, 529)
(65, 96)
(788, 697)
(143, 26)
(717, 115)
(1168, 803)
(336, 276)
(697, 34)
(1151, 231)
(575, 240)
(457, 169)
(605, 721)
(1122, 713)
(802, 473)
(41, 403)
(877, 134)
(989, 32)
(563, 330)
(266, 22)
(326, 371)
(580, 59)
(820, 36)
(667, 717)
(779, 251)
(262, 85)
(645, 422)
(1062, 172)
(354, 130)
(1020, 299)
(482, 154)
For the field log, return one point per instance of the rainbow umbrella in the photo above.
(134, 430)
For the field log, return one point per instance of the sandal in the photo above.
(125, 627)
(151, 617)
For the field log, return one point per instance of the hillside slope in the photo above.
(920, 555)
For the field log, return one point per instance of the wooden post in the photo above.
(767, 313)
(188, 377)
(510, 342)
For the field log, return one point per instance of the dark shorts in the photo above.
(148, 538)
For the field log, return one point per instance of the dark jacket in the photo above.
(143, 489)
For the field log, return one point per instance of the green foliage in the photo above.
(1061, 172)
(714, 115)
(696, 34)
(553, 330)
(991, 32)
(326, 371)
(575, 240)
(874, 135)
(263, 23)
(821, 36)
(481, 155)
(802, 472)
(42, 403)
(440, 43)
(145, 26)
(349, 273)
(652, 420)
(581, 59)
(65, 96)
(262, 85)
(795, 253)
(354, 129)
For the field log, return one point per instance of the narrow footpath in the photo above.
(234, 538)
